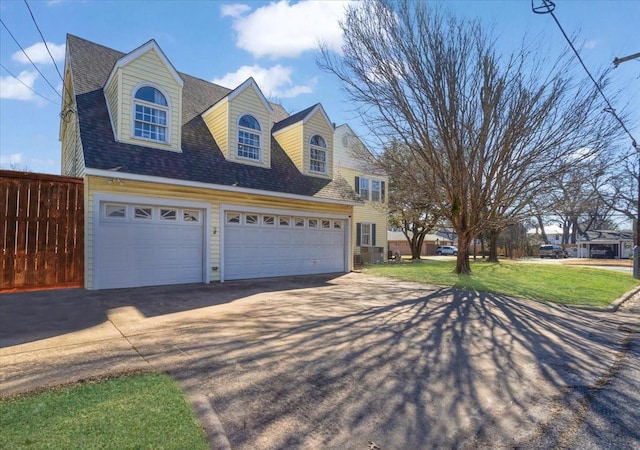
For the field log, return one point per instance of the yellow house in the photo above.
(187, 181)
(369, 234)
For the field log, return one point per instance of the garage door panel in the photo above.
(132, 252)
(253, 251)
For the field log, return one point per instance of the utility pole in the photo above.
(636, 248)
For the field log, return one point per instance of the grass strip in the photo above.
(567, 285)
(139, 411)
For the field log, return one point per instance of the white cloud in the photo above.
(235, 10)
(274, 81)
(282, 29)
(13, 89)
(11, 160)
(39, 55)
(589, 44)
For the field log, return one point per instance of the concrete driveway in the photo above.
(350, 361)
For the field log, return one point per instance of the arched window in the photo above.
(318, 154)
(249, 137)
(151, 114)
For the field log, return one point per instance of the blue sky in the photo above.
(275, 42)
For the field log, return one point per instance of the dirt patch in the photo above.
(599, 262)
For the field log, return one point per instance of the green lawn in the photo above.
(140, 411)
(556, 283)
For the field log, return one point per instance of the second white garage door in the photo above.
(271, 245)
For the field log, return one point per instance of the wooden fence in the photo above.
(41, 231)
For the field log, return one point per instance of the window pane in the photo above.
(189, 215)
(251, 219)
(313, 223)
(151, 95)
(375, 191)
(318, 141)
(298, 222)
(337, 224)
(325, 223)
(364, 188)
(168, 214)
(115, 211)
(248, 121)
(233, 217)
(142, 213)
(268, 220)
(284, 221)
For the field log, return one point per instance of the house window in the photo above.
(375, 191)
(337, 224)
(115, 211)
(298, 222)
(251, 219)
(364, 188)
(325, 223)
(249, 138)
(366, 234)
(318, 155)
(313, 223)
(151, 113)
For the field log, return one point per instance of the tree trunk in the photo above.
(463, 266)
(493, 245)
(543, 234)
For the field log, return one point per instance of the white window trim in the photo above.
(260, 134)
(318, 149)
(167, 108)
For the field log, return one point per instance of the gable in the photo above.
(145, 66)
(223, 119)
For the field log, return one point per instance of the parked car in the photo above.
(551, 251)
(446, 250)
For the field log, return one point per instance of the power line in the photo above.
(32, 63)
(547, 7)
(44, 41)
(26, 85)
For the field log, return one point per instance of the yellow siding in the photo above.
(72, 160)
(217, 120)
(318, 125)
(112, 94)
(291, 141)
(248, 102)
(370, 212)
(214, 198)
(149, 69)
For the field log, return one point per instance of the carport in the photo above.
(606, 244)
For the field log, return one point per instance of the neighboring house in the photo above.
(369, 234)
(187, 181)
(608, 244)
(398, 243)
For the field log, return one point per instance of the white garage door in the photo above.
(271, 245)
(145, 245)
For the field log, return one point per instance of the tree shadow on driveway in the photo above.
(422, 368)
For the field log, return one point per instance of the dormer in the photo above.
(307, 137)
(144, 98)
(240, 123)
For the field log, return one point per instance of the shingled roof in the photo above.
(201, 160)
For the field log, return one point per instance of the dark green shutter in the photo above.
(357, 187)
(382, 193)
(373, 234)
(358, 233)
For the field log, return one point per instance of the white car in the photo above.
(446, 250)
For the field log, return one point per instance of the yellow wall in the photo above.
(149, 69)
(217, 120)
(290, 139)
(95, 185)
(113, 93)
(370, 212)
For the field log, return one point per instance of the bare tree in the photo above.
(491, 130)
